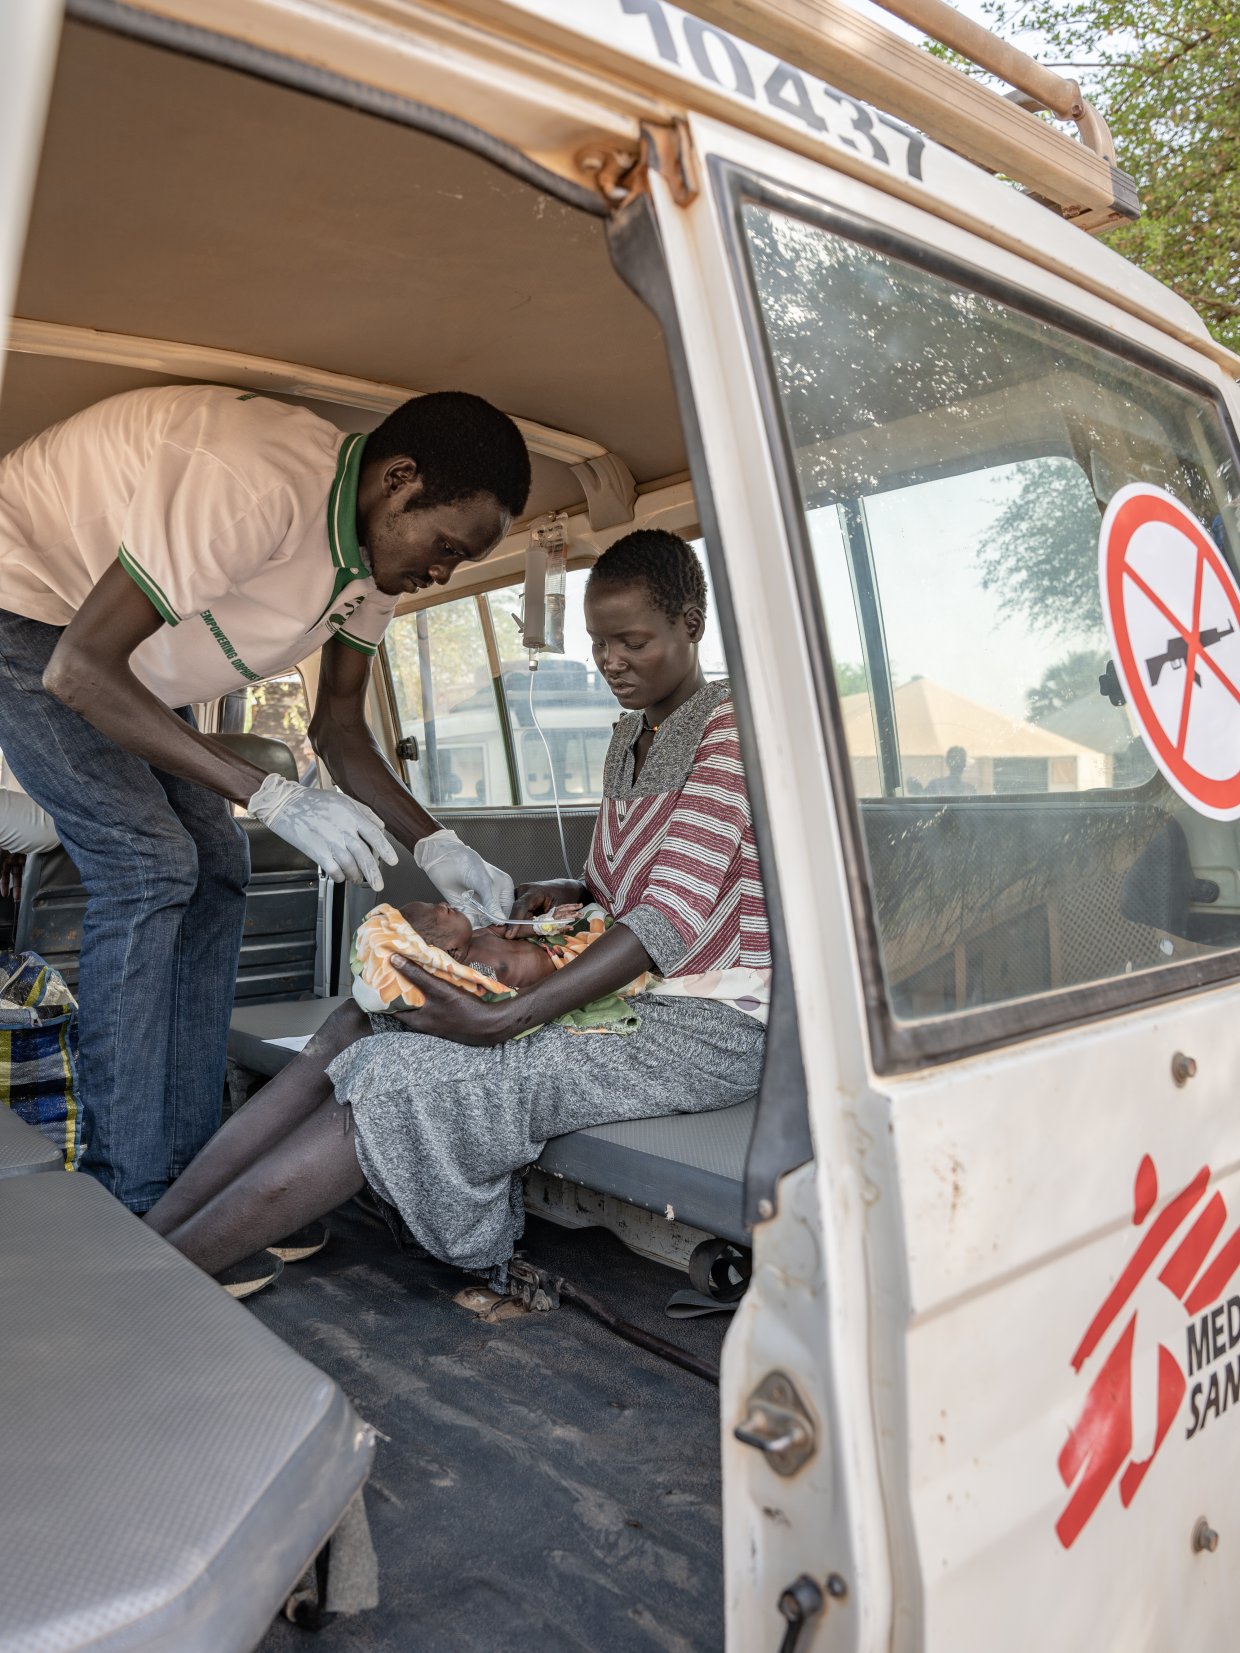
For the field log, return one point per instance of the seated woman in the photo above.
(443, 1106)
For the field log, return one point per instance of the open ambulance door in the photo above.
(803, 1506)
(28, 36)
(964, 1398)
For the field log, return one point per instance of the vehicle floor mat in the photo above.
(537, 1482)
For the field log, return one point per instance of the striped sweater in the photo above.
(673, 853)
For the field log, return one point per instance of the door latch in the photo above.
(407, 748)
(777, 1423)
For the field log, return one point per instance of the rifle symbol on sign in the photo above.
(1177, 653)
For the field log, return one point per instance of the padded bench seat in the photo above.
(23, 1149)
(693, 1162)
(168, 1467)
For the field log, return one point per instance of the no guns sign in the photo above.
(1172, 610)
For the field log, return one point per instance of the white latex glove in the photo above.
(342, 835)
(473, 886)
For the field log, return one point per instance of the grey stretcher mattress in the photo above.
(694, 1163)
(168, 1467)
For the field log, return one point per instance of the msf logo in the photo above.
(1100, 1447)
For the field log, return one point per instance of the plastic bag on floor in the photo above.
(38, 1051)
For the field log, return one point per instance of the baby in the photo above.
(486, 963)
(518, 962)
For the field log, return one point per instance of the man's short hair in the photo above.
(461, 445)
(661, 561)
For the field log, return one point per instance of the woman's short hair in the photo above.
(661, 561)
(462, 446)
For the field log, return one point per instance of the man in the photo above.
(953, 784)
(154, 550)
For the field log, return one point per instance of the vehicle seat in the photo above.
(283, 903)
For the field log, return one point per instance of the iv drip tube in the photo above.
(555, 791)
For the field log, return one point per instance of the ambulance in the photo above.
(767, 274)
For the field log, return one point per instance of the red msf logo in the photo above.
(1100, 1445)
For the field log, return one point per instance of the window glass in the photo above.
(954, 458)
(445, 700)
(572, 711)
(277, 708)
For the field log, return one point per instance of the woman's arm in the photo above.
(612, 962)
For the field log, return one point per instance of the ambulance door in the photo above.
(29, 32)
(969, 1399)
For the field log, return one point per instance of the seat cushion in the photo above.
(254, 1027)
(23, 1149)
(168, 1467)
(690, 1165)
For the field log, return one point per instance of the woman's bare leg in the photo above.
(278, 1109)
(304, 1175)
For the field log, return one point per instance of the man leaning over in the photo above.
(162, 548)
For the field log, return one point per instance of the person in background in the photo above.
(155, 549)
(953, 783)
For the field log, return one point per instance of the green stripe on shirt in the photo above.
(147, 586)
(357, 643)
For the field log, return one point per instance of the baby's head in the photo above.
(442, 926)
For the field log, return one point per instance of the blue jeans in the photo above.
(165, 865)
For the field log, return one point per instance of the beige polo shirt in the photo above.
(234, 514)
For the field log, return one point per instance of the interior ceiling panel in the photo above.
(180, 200)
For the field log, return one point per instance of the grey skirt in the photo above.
(444, 1129)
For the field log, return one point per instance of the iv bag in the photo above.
(546, 575)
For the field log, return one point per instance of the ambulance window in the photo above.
(573, 710)
(954, 456)
(446, 700)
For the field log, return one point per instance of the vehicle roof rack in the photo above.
(1003, 134)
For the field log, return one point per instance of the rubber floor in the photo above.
(540, 1485)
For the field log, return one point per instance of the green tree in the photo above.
(1068, 680)
(1165, 75)
(1040, 556)
(850, 678)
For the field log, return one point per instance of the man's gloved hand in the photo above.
(343, 836)
(468, 883)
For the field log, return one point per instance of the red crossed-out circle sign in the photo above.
(1172, 609)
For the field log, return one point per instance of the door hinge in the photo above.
(621, 173)
(777, 1423)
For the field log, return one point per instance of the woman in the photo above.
(443, 1106)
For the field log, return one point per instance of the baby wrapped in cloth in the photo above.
(485, 962)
